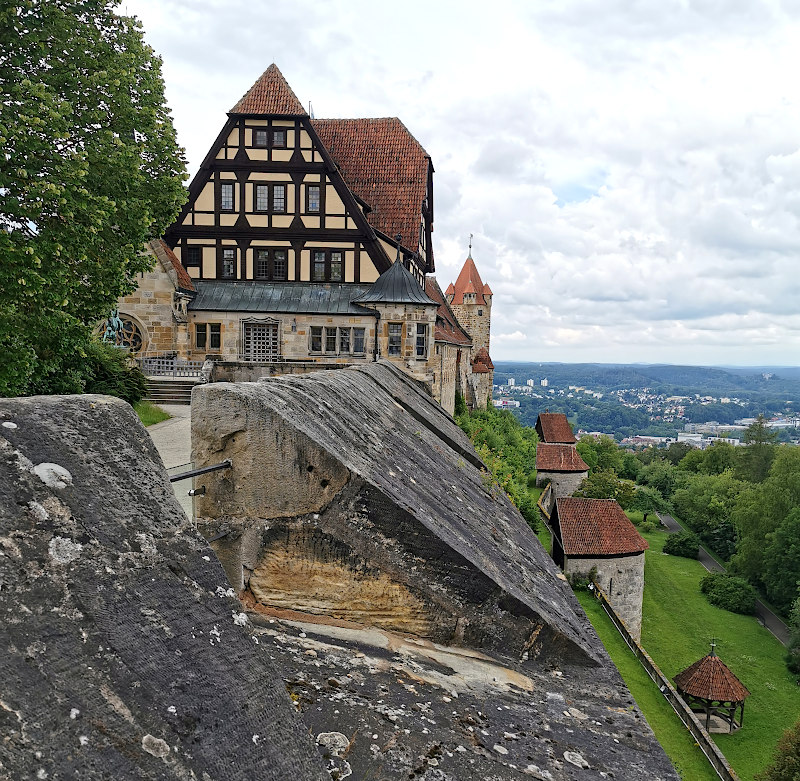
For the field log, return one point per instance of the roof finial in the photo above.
(713, 646)
(398, 239)
(470, 246)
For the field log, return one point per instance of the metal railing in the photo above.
(161, 366)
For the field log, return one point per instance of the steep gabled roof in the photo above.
(271, 94)
(710, 678)
(559, 458)
(469, 281)
(447, 329)
(395, 286)
(596, 527)
(384, 166)
(554, 427)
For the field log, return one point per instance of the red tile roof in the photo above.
(469, 281)
(168, 258)
(482, 359)
(384, 166)
(559, 458)
(596, 527)
(710, 679)
(554, 427)
(487, 291)
(271, 94)
(447, 327)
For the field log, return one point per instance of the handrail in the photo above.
(226, 464)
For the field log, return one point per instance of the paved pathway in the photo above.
(764, 615)
(172, 439)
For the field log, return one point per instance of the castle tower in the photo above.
(471, 302)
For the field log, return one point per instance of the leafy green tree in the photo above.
(782, 562)
(90, 171)
(676, 451)
(719, 457)
(793, 651)
(631, 466)
(604, 484)
(786, 763)
(693, 461)
(661, 475)
(759, 452)
(647, 501)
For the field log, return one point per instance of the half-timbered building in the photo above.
(290, 236)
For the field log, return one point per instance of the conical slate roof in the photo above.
(271, 94)
(710, 678)
(395, 286)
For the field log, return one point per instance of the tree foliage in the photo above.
(756, 459)
(647, 501)
(91, 170)
(604, 484)
(686, 544)
(729, 592)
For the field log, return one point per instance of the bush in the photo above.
(729, 592)
(648, 526)
(526, 504)
(106, 371)
(684, 544)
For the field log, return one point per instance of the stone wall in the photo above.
(622, 579)
(445, 375)
(123, 652)
(477, 320)
(564, 483)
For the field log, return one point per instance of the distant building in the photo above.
(530, 383)
(512, 381)
(544, 383)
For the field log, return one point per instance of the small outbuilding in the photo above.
(562, 466)
(708, 686)
(595, 534)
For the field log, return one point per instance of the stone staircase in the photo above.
(163, 390)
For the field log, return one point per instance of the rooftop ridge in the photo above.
(270, 94)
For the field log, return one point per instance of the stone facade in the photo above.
(622, 579)
(564, 483)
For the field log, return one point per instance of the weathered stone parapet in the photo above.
(359, 474)
(564, 483)
(123, 653)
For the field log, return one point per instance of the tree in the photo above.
(660, 475)
(757, 457)
(604, 484)
(782, 562)
(646, 501)
(676, 451)
(786, 763)
(91, 170)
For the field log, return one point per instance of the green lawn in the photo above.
(678, 625)
(150, 413)
(669, 731)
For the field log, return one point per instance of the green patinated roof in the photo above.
(298, 297)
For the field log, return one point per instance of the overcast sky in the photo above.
(630, 168)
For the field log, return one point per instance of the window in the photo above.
(313, 193)
(327, 265)
(260, 341)
(395, 338)
(271, 264)
(208, 335)
(270, 198)
(192, 256)
(350, 341)
(480, 313)
(358, 340)
(260, 137)
(422, 340)
(316, 338)
(228, 270)
(279, 138)
(226, 196)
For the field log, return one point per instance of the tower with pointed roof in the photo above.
(471, 302)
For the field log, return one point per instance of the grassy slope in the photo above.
(671, 734)
(150, 413)
(677, 629)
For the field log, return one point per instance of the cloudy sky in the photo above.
(630, 168)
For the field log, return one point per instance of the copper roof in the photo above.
(271, 94)
(559, 458)
(710, 678)
(162, 251)
(596, 527)
(469, 281)
(447, 328)
(554, 427)
(384, 166)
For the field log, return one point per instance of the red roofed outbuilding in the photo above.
(554, 427)
(562, 466)
(595, 534)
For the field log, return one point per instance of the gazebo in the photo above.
(708, 686)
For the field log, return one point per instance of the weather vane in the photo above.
(470, 244)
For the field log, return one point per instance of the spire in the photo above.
(271, 94)
(469, 255)
(469, 281)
